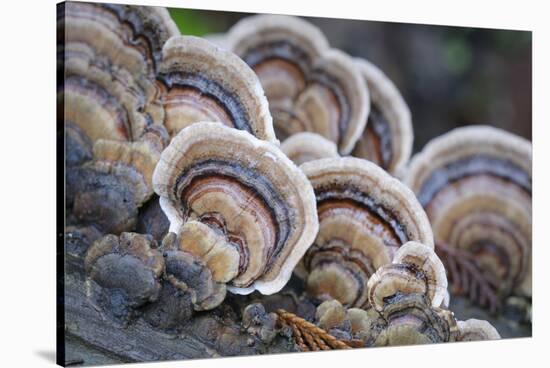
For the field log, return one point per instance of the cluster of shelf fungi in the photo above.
(192, 231)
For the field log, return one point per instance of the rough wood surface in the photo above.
(206, 335)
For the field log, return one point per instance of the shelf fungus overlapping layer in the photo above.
(107, 183)
(475, 185)
(199, 81)
(306, 146)
(388, 137)
(475, 330)
(110, 55)
(415, 269)
(191, 275)
(238, 203)
(310, 87)
(409, 298)
(411, 321)
(365, 215)
(123, 274)
(408, 318)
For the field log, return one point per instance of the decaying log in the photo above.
(215, 333)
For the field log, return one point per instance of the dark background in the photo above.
(449, 76)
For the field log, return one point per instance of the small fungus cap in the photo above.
(475, 330)
(190, 274)
(123, 273)
(410, 320)
(415, 269)
(306, 146)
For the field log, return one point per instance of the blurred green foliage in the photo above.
(194, 22)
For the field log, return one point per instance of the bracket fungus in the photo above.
(410, 320)
(310, 87)
(78, 147)
(475, 330)
(387, 139)
(110, 55)
(238, 203)
(123, 274)
(306, 146)
(404, 302)
(415, 269)
(330, 314)
(199, 81)
(190, 274)
(108, 190)
(410, 297)
(475, 185)
(260, 323)
(365, 215)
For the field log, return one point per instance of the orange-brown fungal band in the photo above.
(249, 195)
(365, 215)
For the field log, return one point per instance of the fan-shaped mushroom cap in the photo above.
(330, 314)
(289, 37)
(190, 274)
(310, 87)
(123, 273)
(475, 185)
(218, 39)
(411, 321)
(78, 147)
(243, 203)
(365, 215)
(108, 190)
(306, 146)
(111, 54)
(138, 157)
(202, 82)
(361, 321)
(387, 139)
(475, 330)
(415, 269)
(104, 195)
